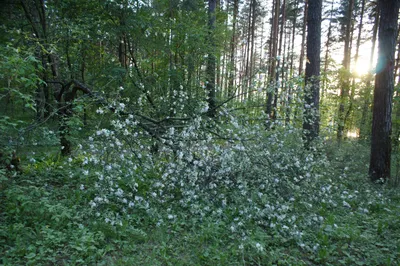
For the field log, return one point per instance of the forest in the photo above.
(192, 132)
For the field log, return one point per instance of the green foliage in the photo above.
(19, 75)
(151, 179)
(45, 221)
(213, 195)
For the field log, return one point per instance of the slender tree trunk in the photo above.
(290, 96)
(217, 59)
(326, 61)
(224, 70)
(396, 70)
(261, 62)
(210, 87)
(345, 78)
(172, 84)
(279, 61)
(285, 73)
(294, 21)
(353, 83)
(274, 46)
(122, 52)
(396, 123)
(35, 12)
(270, 41)
(232, 67)
(367, 92)
(303, 38)
(248, 45)
(311, 110)
(253, 30)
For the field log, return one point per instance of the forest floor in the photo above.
(44, 221)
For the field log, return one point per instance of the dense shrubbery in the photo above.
(229, 189)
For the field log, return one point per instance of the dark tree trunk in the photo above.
(65, 99)
(311, 110)
(384, 83)
(35, 12)
(211, 61)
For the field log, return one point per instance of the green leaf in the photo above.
(30, 255)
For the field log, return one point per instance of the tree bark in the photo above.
(353, 82)
(248, 45)
(367, 93)
(379, 167)
(326, 61)
(35, 13)
(211, 60)
(252, 60)
(279, 61)
(232, 67)
(273, 54)
(345, 79)
(290, 96)
(303, 38)
(311, 110)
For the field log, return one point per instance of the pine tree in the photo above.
(384, 83)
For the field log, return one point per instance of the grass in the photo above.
(45, 220)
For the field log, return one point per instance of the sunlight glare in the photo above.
(352, 134)
(362, 67)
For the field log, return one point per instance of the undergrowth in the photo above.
(203, 194)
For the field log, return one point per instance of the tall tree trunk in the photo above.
(311, 110)
(285, 73)
(273, 54)
(326, 61)
(294, 22)
(397, 68)
(289, 96)
(253, 29)
(122, 54)
(303, 38)
(217, 59)
(35, 12)
(224, 69)
(384, 83)
(232, 67)
(345, 74)
(353, 82)
(279, 61)
(368, 89)
(261, 62)
(396, 124)
(210, 87)
(248, 45)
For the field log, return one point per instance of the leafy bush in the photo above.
(204, 191)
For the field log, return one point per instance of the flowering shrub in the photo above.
(229, 171)
(230, 189)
